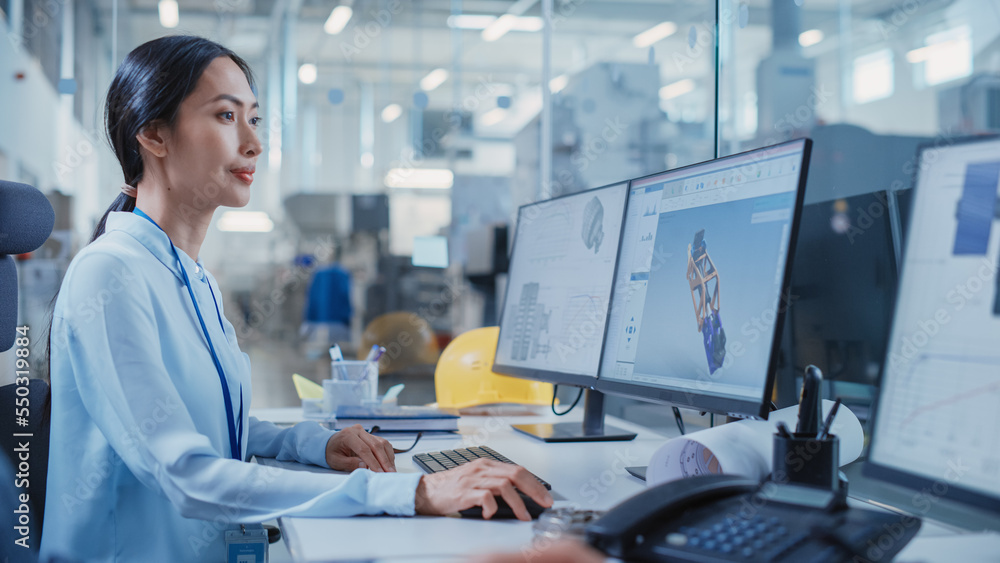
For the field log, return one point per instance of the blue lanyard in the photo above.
(235, 438)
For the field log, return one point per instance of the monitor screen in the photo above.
(844, 285)
(559, 285)
(936, 421)
(430, 252)
(697, 298)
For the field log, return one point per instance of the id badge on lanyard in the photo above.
(246, 545)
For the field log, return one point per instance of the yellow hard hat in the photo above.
(464, 376)
(408, 339)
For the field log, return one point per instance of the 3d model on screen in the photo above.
(593, 224)
(704, 281)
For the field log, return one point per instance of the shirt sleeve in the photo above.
(305, 442)
(115, 357)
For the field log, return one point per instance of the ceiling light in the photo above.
(676, 89)
(528, 23)
(307, 73)
(245, 222)
(492, 117)
(499, 28)
(391, 112)
(477, 22)
(557, 84)
(338, 20)
(169, 13)
(811, 37)
(470, 21)
(654, 34)
(420, 178)
(433, 79)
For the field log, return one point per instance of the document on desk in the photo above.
(385, 538)
(743, 448)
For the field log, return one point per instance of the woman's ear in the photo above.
(153, 138)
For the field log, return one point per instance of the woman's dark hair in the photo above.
(149, 86)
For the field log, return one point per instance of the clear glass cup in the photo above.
(353, 383)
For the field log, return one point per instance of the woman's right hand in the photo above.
(475, 484)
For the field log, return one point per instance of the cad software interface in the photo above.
(559, 282)
(697, 291)
(937, 415)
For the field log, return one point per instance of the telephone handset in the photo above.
(725, 517)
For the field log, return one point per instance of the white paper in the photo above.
(745, 447)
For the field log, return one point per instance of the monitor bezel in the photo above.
(704, 402)
(894, 475)
(556, 377)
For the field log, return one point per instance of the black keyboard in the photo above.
(434, 462)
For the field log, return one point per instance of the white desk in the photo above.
(586, 475)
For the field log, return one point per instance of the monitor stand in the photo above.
(591, 430)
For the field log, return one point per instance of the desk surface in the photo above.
(585, 475)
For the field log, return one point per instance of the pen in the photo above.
(783, 430)
(372, 354)
(810, 405)
(829, 421)
(335, 354)
(378, 355)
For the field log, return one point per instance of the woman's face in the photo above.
(212, 148)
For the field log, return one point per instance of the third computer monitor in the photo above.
(698, 292)
(936, 422)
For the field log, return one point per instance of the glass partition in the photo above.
(868, 82)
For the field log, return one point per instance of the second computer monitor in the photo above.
(698, 294)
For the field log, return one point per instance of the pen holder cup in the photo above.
(353, 383)
(803, 460)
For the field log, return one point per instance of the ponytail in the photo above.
(121, 203)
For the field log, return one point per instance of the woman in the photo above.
(150, 390)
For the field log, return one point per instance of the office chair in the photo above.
(26, 220)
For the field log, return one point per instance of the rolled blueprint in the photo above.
(744, 447)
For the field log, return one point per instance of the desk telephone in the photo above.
(730, 518)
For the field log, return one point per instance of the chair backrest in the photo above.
(26, 219)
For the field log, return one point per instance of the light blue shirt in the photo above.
(139, 466)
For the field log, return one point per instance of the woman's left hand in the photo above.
(353, 448)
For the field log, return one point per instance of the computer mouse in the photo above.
(504, 511)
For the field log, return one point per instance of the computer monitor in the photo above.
(559, 285)
(935, 423)
(698, 295)
(841, 294)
